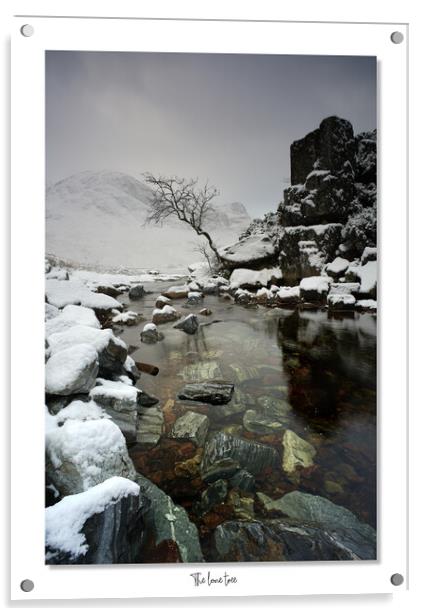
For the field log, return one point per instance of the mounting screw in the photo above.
(27, 585)
(397, 37)
(397, 579)
(27, 30)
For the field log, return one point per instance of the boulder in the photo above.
(205, 312)
(177, 292)
(169, 536)
(192, 427)
(164, 315)
(150, 334)
(136, 292)
(162, 301)
(101, 526)
(107, 289)
(212, 392)
(337, 268)
(150, 426)
(188, 324)
(341, 301)
(127, 318)
(72, 370)
(287, 540)
(194, 298)
(262, 421)
(315, 288)
(297, 453)
(253, 457)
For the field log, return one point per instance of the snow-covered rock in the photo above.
(337, 268)
(263, 295)
(288, 295)
(341, 301)
(368, 277)
(343, 288)
(369, 305)
(194, 297)
(243, 278)
(60, 293)
(69, 537)
(164, 315)
(150, 334)
(126, 318)
(314, 288)
(50, 312)
(82, 453)
(369, 254)
(252, 251)
(72, 370)
(72, 315)
(162, 301)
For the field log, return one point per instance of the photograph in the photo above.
(211, 272)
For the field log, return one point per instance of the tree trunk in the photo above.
(212, 246)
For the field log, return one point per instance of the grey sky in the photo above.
(226, 118)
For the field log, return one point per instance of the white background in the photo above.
(360, 11)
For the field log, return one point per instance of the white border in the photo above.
(28, 258)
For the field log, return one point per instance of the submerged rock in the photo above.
(297, 453)
(201, 371)
(192, 427)
(243, 480)
(288, 540)
(188, 324)
(319, 511)
(150, 426)
(215, 494)
(262, 421)
(252, 456)
(212, 392)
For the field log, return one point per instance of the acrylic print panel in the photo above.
(240, 445)
(211, 274)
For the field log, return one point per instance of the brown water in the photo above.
(323, 365)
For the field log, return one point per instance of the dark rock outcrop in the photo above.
(213, 392)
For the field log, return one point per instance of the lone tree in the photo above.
(183, 199)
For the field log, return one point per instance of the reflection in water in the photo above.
(324, 366)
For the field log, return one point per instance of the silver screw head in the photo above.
(397, 37)
(27, 585)
(27, 30)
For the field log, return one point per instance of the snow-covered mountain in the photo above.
(98, 218)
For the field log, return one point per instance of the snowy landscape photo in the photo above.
(211, 305)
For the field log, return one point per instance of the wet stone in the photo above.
(252, 456)
(150, 425)
(201, 371)
(243, 480)
(188, 324)
(262, 421)
(136, 292)
(213, 495)
(192, 427)
(211, 392)
(297, 454)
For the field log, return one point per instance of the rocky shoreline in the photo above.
(185, 474)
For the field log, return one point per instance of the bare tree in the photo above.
(204, 250)
(183, 199)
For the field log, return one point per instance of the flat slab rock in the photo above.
(212, 392)
(192, 427)
(253, 457)
(150, 426)
(287, 540)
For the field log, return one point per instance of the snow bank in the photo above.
(64, 521)
(253, 278)
(71, 370)
(60, 293)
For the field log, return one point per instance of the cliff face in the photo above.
(330, 208)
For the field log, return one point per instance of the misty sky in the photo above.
(226, 118)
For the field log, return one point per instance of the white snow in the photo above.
(369, 254)
(366, 304)
(115, 389)
(249, 249)
(181, 290)
(72, 315)
(125, 317)
(264, 294)
(341, 288)
(78, 411)
(95, 449)
(194, 295)
(64, 367)
(98, 338)
(60, 293)
(150, 327)
(368, 277)
(317, 229)
(289, 293)
(336, 299)
(64, 521)
(164, 310)
(337, 267)
(320, 284)
(163, 299)
(254, 278)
